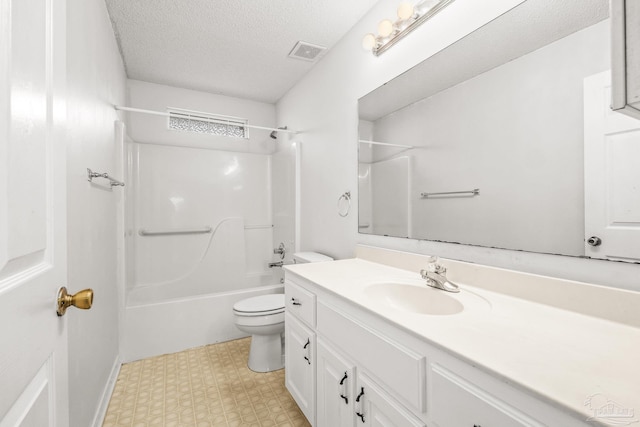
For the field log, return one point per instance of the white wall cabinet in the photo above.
(347, 367)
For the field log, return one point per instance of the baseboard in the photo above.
(101, 412)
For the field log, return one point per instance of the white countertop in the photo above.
(560, 356)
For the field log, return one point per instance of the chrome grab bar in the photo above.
(474, 192)
(203, 230)
(112, 181)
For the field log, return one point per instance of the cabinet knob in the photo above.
(295, 301)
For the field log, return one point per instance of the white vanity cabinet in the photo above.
(365, 371)
(343, 374)
(347, 397)
(300, 346)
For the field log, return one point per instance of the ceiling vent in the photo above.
(306, 51)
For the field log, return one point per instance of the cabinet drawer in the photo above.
(398, 368)
(457, 402)
(300, 302)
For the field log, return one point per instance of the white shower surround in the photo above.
(177, 188)
(180, 289)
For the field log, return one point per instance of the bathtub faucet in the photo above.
(276, 264)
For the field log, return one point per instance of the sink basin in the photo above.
(421, 299)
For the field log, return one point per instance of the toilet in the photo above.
(263, 318)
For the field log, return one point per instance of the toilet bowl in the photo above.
(263, 318)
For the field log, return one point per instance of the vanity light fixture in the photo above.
(410, 16)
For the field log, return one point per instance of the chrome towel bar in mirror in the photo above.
(112, 181)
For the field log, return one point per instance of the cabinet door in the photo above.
(457, 402)
(299, 365)
(375, 408)
(336, 381)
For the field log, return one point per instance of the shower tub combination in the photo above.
(201, 226)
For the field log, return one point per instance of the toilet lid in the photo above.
(263, 304)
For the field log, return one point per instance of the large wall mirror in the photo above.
(484, 143)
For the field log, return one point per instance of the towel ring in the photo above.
(346, 197)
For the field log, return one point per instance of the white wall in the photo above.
(96, 81)
(324, 107)
(145, 128)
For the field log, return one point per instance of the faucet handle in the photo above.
(434, 266)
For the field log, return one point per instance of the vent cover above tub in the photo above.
(306, 51)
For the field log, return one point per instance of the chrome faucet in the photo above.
(280, 250)
(435, 275)
(276, 264)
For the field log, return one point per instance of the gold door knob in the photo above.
(82, 300)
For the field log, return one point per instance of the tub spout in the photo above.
(276, 264)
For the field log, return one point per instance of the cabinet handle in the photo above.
(359, 408)
(344, 378)
(308, 348)
(344, 389)
(295, 301)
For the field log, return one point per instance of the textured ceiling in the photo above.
(233, 47)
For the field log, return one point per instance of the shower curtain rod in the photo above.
(165, 114)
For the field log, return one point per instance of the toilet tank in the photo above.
(304, 257)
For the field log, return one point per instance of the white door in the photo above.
(33, 359)
(612, 175)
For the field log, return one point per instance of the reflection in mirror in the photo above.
(502, 111)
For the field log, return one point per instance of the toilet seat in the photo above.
(263, 305)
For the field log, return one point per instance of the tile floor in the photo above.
(206, 386)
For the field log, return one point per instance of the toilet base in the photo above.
(265, 354)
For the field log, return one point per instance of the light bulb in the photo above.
(385, 28)
(369, 41)
(405, 10)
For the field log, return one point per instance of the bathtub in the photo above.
(169, 326)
